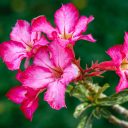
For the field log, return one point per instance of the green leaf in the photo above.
(118, 98)
(86, 122)
(80, 109)
(82, 122)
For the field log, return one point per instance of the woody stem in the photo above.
(114, 120)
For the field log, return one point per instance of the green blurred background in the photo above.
(111, 21)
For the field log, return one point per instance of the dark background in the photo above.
(111, 21)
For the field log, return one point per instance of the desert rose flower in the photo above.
(23, 43)
(53, 70)
(119, 55)
(69, 25)
(27, 97)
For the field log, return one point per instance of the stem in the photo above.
(117, 121)
(121, 110)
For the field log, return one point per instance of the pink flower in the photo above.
(27, 97)
(69, 25)
(23, 44)
(119, 55)
(53, 69)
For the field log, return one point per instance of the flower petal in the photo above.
(17, 94)
(66, 18)
(123, 83)
(42, 41)
(38, 44)
(21, 32)
(88, 37)
(82, 24)
(125, 45)
(35, 77)
(42, 58)
(70, 73)
(40, 24)
(55, 95)
(29, 107)
(116, 54)
(61, 56)
(12, 53)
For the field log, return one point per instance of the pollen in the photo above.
(66, 36)
(124, 64)
(29, 47)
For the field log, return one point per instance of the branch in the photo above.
(117, 121)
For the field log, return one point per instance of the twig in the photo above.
(117, 121)
(121, 110)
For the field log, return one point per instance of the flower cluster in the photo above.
(53, 60)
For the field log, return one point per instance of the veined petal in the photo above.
(66, 18)
(17, 94)
(70, 73)
(55, 95)
(42, 58)
(28, 107)
(12, 53)
(88, 37)
(40, 24)
(115, 53)
(61, 56)
(35, 77)
(21, 32)
(82, 24)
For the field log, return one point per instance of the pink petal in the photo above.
(116, 54)
(61, 56)
(17, 94)
(42, 41)
(35, 77)
(70, 73)
(21, 32)
(66, 18)
(12, 53)
(42, 58)
(35, 36)
(123, 84)
(125, 45)
(55, 95)
(40, 24)
(88, 37)
(82, 24)
(38, 44)
(29, 107)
